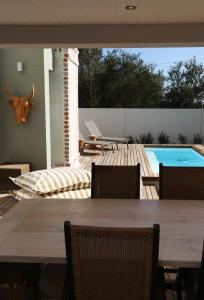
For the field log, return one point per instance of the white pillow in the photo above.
(77, 194)
(54, 180)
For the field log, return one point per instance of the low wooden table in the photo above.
(32, 231)
(11, 170)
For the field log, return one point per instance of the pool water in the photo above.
(183, 157)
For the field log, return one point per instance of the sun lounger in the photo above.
(102, 144)
(93, 130)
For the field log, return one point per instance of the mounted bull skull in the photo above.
(20, 104)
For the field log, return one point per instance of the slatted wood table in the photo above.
(32, 231)
(6, 202)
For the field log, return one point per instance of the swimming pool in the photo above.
(183, 157)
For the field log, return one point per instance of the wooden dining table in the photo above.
(32, 230)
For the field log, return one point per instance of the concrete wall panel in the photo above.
(133, 122)
(23, 142)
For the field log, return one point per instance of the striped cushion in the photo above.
(54, 180)
(77, 194)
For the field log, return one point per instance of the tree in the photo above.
(129, 82)
(185, 85)
(118, 79)
(89, 70)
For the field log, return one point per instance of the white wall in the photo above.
(132, 121)
(57, 108)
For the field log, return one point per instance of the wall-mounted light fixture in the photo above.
(19, 66)
(131, 7)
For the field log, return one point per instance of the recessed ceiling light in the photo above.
(131, 7)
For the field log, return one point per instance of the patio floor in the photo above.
(131, 156)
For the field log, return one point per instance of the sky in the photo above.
(164, 57)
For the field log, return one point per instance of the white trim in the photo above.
(48, 65)
(112, 35)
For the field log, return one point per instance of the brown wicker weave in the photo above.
(18, 282)
(121, 182)
(112, 263)
(181, 183)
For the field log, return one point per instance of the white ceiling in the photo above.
(59, 12)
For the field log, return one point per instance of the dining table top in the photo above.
(33, 230)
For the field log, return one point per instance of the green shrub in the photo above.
(163, 138)
(146, 138)
(197, 139)
(182, 138)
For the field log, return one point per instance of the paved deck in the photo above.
(131, 156)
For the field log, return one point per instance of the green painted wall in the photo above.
(23, 142)
(57, 109)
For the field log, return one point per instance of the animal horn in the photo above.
(32, 93)
(6, 91)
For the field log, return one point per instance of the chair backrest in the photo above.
(112, 263)
(122, 182)
(92, 128)
(181, 183)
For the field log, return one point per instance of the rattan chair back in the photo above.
(19, 281)
(112, 263)
(181, 183)
(122, 182)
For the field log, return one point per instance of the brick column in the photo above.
(66, 107)
(69, 60)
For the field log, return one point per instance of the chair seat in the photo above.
(115, 139)
(99, 143)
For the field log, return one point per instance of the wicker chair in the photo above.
(19, 281)
(190, 282)
(112, 263)
(122, 182)
(181, 183)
